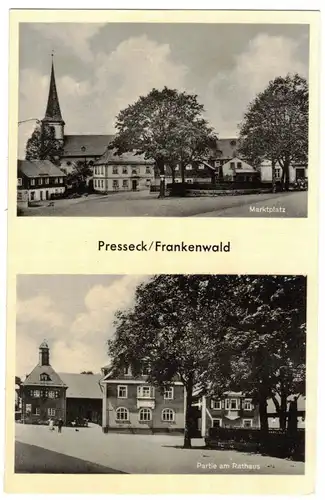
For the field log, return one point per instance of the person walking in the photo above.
(60, 425)
(51, 424)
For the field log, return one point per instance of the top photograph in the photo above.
(163, 120)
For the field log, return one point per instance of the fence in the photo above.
(275, 442)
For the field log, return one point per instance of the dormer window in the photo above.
(44, 377)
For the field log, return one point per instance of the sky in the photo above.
(102, 68)
(74, 313)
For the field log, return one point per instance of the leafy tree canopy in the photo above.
(42, 145)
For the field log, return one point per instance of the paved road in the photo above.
(138, 454)
(292, 204)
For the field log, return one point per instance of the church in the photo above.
(110, 173)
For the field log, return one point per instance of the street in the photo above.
(90, 451)
(145, 204)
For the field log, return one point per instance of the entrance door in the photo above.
(134, 184)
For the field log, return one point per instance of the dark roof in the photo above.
(226, 148)
(53, 112)
(129, 158)
(34, 377)
(94, 145)
(82, 385)
(39, 168)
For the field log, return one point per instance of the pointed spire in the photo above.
(53, 112)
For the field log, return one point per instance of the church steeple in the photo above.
(44, 354)
(53, 115)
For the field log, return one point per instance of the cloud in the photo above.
(76, 38)
(79, 342)
(229, 92)
(115, 80)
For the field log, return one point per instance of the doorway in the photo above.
(134, 184)
(41, 195)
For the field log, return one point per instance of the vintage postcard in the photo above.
(162, 258)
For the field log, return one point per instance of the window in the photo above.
(169, 393)
(217, 422)
(51, 412)
(201, 167)
(148, 171)
(232, 165)
(122, 414)
(145, 415)
(115, 184)
(232, 404)
(177, 168)
(277, 173)
(45, 393)
(134, 171)
(125, 170)
(53, 394)
(145, 370)
(101, 183)
(115, 170)
(215, 405)
(47, 181)
(37, 410)
(125, 183)
(247, 423)
(122, 391)
(61, 180)
(168, 415)
(35, 393)
(39, 182)
(248, 405)
(32, 182)
(44, 377)
(188, 167)
(217, 163)
(232, 143)
(19, 181)
(189, 181)
(145, 392)
(32, 196)
(239, 164)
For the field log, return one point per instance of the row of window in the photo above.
(37, 411)
(144, 392)
(117, 170)
(54, 180)
(231, 404)
(99, 183)
(145, 415)
(44, 393)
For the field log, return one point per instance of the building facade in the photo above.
(40, 180)
(126, 172)
(133, 405)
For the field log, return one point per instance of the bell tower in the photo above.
(44, 354)
(53, 117)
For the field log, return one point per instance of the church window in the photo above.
(122, 414)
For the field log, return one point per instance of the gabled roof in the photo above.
(34, 377)
(39, 168)
(86, 145)
(246, 168)
(53, 112)
(82, 385)
(129, 158)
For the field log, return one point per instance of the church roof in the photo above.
(39, 168)
(82, 385)
(53, 112)
(85, 145)
(129, 158)
(34, 377)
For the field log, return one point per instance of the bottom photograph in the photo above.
(161, 374)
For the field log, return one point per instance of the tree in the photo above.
(79, 175)
(165, 126)
(266, 341)
(42, 145)
(175, 327)
(275, 126)
(87, 373)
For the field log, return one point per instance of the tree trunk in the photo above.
(273, 177)
(173, 174)
(161, 169)
(188, 415)
(285, 180)
(183, 172)
(262, 406)
(283, 412)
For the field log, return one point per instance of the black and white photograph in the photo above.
(163, 119)
(160, 374)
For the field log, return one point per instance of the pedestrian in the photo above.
(51, 424)
(60, 425)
